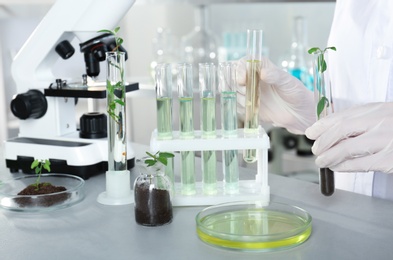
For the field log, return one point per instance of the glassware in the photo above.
(116, 103)
(164, 98)
(207, 88)
(186, 99)
(11, 200)
(200, 45)
(254, 56)
(324, 106)
(297, 64)
(227, 87)
(152, 193)
(118, 187)
(253, 226)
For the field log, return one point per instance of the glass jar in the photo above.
(152, 190)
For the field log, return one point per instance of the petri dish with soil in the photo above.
(13, 194)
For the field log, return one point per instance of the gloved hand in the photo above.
(357, 139)
(284, 100)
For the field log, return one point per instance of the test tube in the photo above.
(207, 89)
(164, 100)
(186, 99)
(324, 106)
(227, 87)
(254, 57)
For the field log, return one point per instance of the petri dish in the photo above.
(253, 226)
(10, 200)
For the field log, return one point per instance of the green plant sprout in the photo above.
(158, 157)
(115, 97)
(118, 40)
(38, 166)
(322, 66)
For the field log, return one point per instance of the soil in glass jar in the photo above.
(153, 207)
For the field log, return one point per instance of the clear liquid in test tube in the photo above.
(227, 87)
(254, 57)
(186, 100)
(207, 89)
(164, 97)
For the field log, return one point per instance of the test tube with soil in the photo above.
(324, 106)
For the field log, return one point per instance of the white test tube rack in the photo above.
(256, 189)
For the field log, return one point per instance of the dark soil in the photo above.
(42, 201)
(152, 207)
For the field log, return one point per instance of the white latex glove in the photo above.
(357, 139)
(285, 101)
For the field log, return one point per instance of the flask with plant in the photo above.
(152, 191)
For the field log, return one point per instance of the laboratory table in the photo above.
(345, 226)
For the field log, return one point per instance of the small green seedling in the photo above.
(158, 157)
(112, 89)
(118, 40)
(38, 166)
(322, 66)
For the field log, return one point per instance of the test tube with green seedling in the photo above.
(207, 89)
(324, 106)
(254, 57)
(186, 100)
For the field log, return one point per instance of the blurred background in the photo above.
(172, 31)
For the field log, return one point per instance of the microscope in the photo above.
(45, 105)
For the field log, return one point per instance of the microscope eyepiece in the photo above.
(65, 49)
(95, 51)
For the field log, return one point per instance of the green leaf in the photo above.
(47, 165)
(119, 101)
(314, 49)
(167, 155)
(116, 30)
(158, 157)
(151, 155)
(105, 31)
(150, 162)
(163, 160)
(331, 48)
(321, 105)
(34, 164)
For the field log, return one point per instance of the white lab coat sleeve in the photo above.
(362, 32)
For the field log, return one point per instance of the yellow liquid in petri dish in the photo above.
(254, 229)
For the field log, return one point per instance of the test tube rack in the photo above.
(253, 189)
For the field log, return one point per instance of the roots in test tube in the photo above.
(252, 106)
(326, 181)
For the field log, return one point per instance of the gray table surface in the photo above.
(345, 226)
